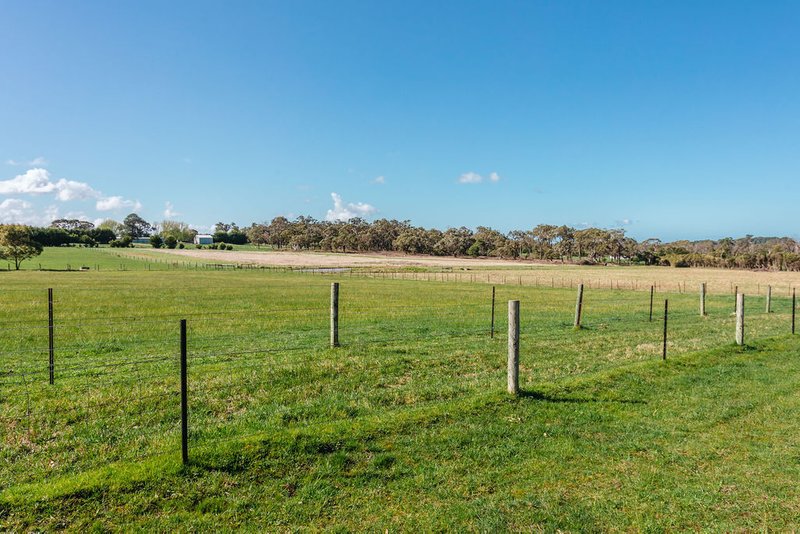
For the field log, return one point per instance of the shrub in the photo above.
(125, 242)
(156, 241)
(198, 246)
(229, 247)
(171, 242)
(181, 245)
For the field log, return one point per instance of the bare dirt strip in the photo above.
(522, 272)
(330, 259)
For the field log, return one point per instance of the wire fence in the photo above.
(259, 359)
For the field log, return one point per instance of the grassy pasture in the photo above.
(404, 426)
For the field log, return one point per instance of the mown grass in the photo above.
(404, 426)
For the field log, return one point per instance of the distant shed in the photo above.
(203, 239)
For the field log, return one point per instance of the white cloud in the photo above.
(71, 190)
(18, 211)
(35, 162)
(475, 178)
(33, 182)
(14, 210)
(169, 210)
(342, 212)
(116, 203)
(379, 180)
(624, 222)
(38, 182)
(470, 178)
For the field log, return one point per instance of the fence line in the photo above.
(44, 410)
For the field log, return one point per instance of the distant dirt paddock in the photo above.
(495, 271)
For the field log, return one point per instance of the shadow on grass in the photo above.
(544, 397)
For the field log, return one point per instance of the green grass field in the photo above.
(406, 425)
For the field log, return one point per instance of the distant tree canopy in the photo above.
(17, 243)
(114, 226)
(72, 225)
(134, 226)
(229, 233)
(543, 242)
(67, 234)
(180, 231)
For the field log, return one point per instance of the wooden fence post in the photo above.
(703, 299)
(334, 314)
(184, 398)
(492, 331)
(740, 319)
(652, 291)
(513, 347)
(579, 307)
(794, 307)
(769, 299)
(666, 316)
(51, 335)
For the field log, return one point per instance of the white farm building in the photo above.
(203, 239)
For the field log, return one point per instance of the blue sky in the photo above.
(670, 119)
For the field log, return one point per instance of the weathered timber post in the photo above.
(513, 347)
(740, 319)
(334, 314)
(652, 292)
(703, 299)
(769, 299)
(579, 307)
(666, 316)
(51, 335)
(184, 398)
(492, 331)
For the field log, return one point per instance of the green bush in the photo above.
(171, 242)
(156, 241)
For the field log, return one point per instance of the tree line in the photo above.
(543, 242)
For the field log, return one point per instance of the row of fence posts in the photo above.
(513, 324)
(334, 317)
(513, 340)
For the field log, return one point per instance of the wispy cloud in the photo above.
(470, 178)
(35, 162)
(623, 222)
(475, 178)
(169, 210)
(345, 212)
(379, 180)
